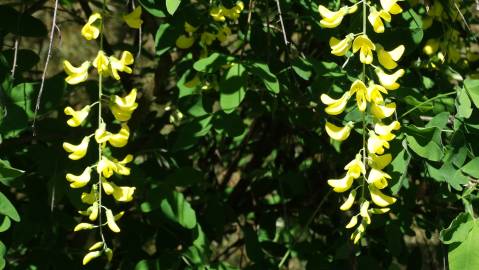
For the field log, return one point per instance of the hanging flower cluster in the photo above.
(365, 172)
(217, 31)
(105, 166)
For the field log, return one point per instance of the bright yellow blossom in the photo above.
(378, 178)
(101, 135)
(364, 213)
(382, 111)
(90, 256)
(355, 167)
(121, 194)
(331, 19)
(349, 201)
(384, 130)
(133, 19)
(76, 75)
(102, 63)
(120, 139)
(122, 108)
(352, 222)
(341, 47)
(388, 59)
(121, 64)
(90, 30)
(110, 221)
(389, 80)
(365, 47)
(89, 198)
(77, 151)
(83, 226)
(77, 117)
(338, 133)
(359, 88)
(373, 93)
(376, 144)
(376, 19)
(335, 106)
(78, 181)
(391, 6)
(379, 162)
(342, 184)
(379, 198)
(217, 14)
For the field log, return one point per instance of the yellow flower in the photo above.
(76, 75)
(77, 116)
(331, 19)
(374, 93)
(110, 221)
(335, 106)
(93, 211)
(342, 184)
(379, 198)
(223, 33)
(190, 28)
(217, 14)
(133, 19)
(90, 256)
(121, 64)
(356, 167)
(389, 80)
(83, 226)
(207, 38)
(388, 59)
(379, 210)
(185, 42)
(338, 133)
(349, 201)
(381, 111)
(120, 165)
(376, 19)
(352, 222)
(359, 88)
(366, 47)
(379, 162)
(101, 63)
(78, 181)
(385, 130)
(77, 151)
(101, 135)
(364, 213)
(376, 144)
(89, 198)
(234, 12)
(431, 47)
(341, 47)
(120, 139)
(391, 6)
(378, 178)
(122, 108)
(97, 245)
(90, 30)
(107, 167)
(121, 194)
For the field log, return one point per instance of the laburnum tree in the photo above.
(249, 134)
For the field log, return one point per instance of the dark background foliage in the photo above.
(231, 173)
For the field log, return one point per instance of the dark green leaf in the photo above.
(458, 230)
(7, 208)
(172, 6)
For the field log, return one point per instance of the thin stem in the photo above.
(427, 101)
(363, 115)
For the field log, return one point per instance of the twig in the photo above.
(40, 92)
(286, 42)
(138, 54)
(462, 16)
(14, 65)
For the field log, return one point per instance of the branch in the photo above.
(49, 54)
(286, 42)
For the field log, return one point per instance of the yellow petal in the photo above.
(133, 19)
(359, 88)
(352, 222)
(342, 184)
(110, 221)
(381, 161)
(376, 144)
(341, 47)
(76, 75)
(90, 30)
(77, 151)
(365, 47)
(382, 111)
(376, 21)
(120, 139)
(97, 245)
(379, 198)
(83, 226)
(78, 181)
(122, 108)
(101, 135)
(349, 201)
(379, 210)
(388, 58)
(382, 129)
(378, 178)
(94, 211)
(335, 107)
(373, 93)
(217, 14)
(331, 19)
(90, 256)
(363, 212)
(101, 63)
(77, 117)
(356, 167)
(391, 6)
(338, 133)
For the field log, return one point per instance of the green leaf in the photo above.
(165, 38)
(8, 173)
(303, 68)
(472, 168)
(189, 133)
(22, 95)
(211, 63)
(458, 230)
(5, 224)
(172, 6)
(269, 79)
(232, 88)
(457, 180)
(153, 7)
(472, 88)
(3, 251)
(7, 208)
(176, 208)
(463, 105)
(465, 255)
(426, 142)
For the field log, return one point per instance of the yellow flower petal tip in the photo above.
(341, 47)
(133, 19)
(391, 6)
(379, 198)
(365, 46)
(78, 181)
(349, 201)
(338, 133)
(76, 75)
(331, 19)
(335, 106)
(388, 59)
(121, 65)
(90, 256)
(376, 19)
(122, 108)
(342, 184)
(388, 81)
(110, 221)
(77, 117)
